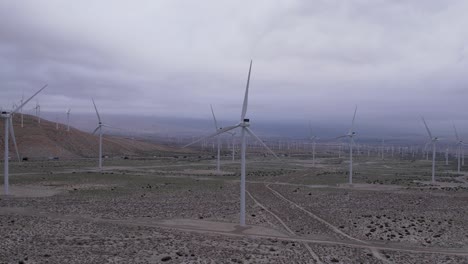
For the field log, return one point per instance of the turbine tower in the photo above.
(244, 126)
(9, 129)
(433, 142)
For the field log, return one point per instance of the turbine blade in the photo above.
(95, 130)
(352, 123)
(427, 128)
(456, 133)
(246, 96)
(214, 118)
(104, 125)
(97, 113)
(261, 142)
(12, 131)
(220, 131)
(25, 102)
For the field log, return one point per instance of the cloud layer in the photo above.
(313, 60)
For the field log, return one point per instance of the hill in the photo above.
(43, 140)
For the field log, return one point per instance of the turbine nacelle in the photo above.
(5, 114)
(245, 123)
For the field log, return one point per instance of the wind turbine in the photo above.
(218, 139)
(244, 126)
(433, 142)
(233, 134)
(383, 142)
(68, 119)
(99, 127)
(38, 112)
(312, 138)
(9, 129)
(446, 155)
(459, 147)
(351, 134)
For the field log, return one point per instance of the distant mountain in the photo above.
(43, 140)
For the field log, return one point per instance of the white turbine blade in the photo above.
(12, 131)
(95, 130)
(352, 123)
(25, 102)
(456, 133)
(214, 118)
(104, 125)
(261, 142)
(68, 112)
(427, 128)
(340, 137)
(246, 96)
(97, 113)
(220, 131)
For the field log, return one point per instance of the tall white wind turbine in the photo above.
(244, 126)
(218, 142)
(233, 135)
(68, 119)
(459, 147)
(382, 148)
(99, 127)
(351, 134)
(313, 139)
(7, 116)
(433, 141)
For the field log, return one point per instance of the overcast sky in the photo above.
(312, 60)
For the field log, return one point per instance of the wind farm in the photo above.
(114, 159)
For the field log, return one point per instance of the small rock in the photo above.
(166, 258)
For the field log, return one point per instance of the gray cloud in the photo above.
(313, 60)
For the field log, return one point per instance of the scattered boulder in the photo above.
(166, 258)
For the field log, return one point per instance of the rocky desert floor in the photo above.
(179, 210)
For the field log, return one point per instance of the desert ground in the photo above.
(174, 208)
